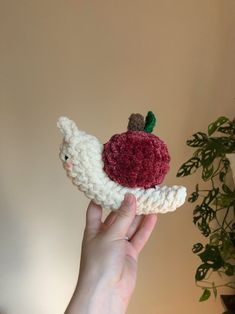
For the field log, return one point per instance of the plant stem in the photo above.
(212, 182)
(225, 216)
(216, 172)
(215, 286)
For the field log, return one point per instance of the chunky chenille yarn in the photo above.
(81, 155)
(136, 159)
(136, 122)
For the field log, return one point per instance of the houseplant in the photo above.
(214, 199)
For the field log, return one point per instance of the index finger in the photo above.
(93, 219)
(124, 218)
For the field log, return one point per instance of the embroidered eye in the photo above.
(66, 157)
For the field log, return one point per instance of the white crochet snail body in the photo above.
(81, 155)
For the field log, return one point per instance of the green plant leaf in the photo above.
(215, 239)
(205, 212)
(226, 189)
(226, 145)
(204, 227)
(223, 200)
(230, 129)
(198, 153)
(214, 289)
(232, 237)
(193, 197)
(201, 272)
(189, 167)
(205, 296)
(199, 140)
(215, 125)
(211, 256)
(196, 219)
(227, 249)
(229, 269)
(207, 172)
(208, 155)
(214, 217)
(211, 196)
(224, 170)
(222, 175)
(197, 247)
(202, 215)
(226, 163)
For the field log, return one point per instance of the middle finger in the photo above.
(134, 226)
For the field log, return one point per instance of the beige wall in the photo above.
(97, 62)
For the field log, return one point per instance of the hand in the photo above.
(109, 262)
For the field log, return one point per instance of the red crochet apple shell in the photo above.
(136, 159)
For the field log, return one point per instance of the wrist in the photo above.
(96, 297)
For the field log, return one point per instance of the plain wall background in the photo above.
(97, 62)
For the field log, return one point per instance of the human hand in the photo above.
(108, 265)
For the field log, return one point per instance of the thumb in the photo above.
(125, 216)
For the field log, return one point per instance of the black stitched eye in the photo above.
(66, 157)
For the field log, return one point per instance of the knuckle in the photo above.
(124, 213)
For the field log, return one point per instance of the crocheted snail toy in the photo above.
(135, 161)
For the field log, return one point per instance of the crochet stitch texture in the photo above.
(81, 155)
(136, 159)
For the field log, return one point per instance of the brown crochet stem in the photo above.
(136, 122)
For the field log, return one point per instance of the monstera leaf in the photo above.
(214, 198)
(215, 125)
(189, 167)
(200, 139)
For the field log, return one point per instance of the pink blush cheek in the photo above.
(68, 165)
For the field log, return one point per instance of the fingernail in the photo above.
(129, 198)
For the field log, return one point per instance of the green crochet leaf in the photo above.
(150, 122)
